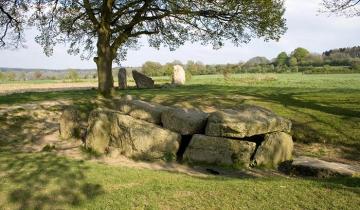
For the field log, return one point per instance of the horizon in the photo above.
(306, 28)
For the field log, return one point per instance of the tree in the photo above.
(300, 54)
(72, 75)
(12, 21)
(151, 68)
(281, 59)
(37, 75)
(292, 61)
(108, 28)
(347, 8)
(257, 61)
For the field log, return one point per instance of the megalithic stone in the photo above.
(122, 78)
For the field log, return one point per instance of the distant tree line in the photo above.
(344, 60)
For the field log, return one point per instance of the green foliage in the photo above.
(300, 54)
(72, 75)
(151, 68)
(327, 70)
(292, 61)
(355, 65)
(281, 59)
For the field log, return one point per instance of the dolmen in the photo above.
(246, 136)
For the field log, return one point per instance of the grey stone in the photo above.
(70, 124)
(307, 166)
(219, 151)
(276, 148)
(184, 121)
(122, 78)
(134, 138)
(98, 132)
(142, 81)
(145, 111)
(246, 121)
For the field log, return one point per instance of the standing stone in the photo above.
(219, 151)
(276, 148)
(178, 77)
(70, 124)
(142, 81)
(122, 78)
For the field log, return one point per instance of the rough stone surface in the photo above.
(246, 121)
(178, 77)
(219, 151)
(276, 148)
(134, 138)
(307, 166)
(184, 121)
(145, 111)
(98, 133)
(70, 124)
(122, 78)
(142, 81)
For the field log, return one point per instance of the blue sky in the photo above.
(306, 28)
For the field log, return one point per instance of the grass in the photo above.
(46, 181)
(323, 108)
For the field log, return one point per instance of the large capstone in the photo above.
(276, 148)
(145, 111)
(122, 78)
(142, 81)
(134, 138)
(184, 121)
(219, 151)
(246, 121)
(70, 124)
(178, 76)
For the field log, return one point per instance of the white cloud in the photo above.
(306, 28)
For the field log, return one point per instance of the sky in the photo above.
(307, 28)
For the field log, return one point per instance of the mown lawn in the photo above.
(323, 108)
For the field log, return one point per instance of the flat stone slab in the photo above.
(184, 121)
(246, 121)
(145, 111)
(308, 166)
(219, 151)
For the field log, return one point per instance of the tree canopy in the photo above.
(342, 7)
(300, 54)
(108, 28)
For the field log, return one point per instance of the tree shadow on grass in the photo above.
(46, 181)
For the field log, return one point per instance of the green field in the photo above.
(324, 109)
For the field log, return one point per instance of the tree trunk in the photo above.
(104, 63)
